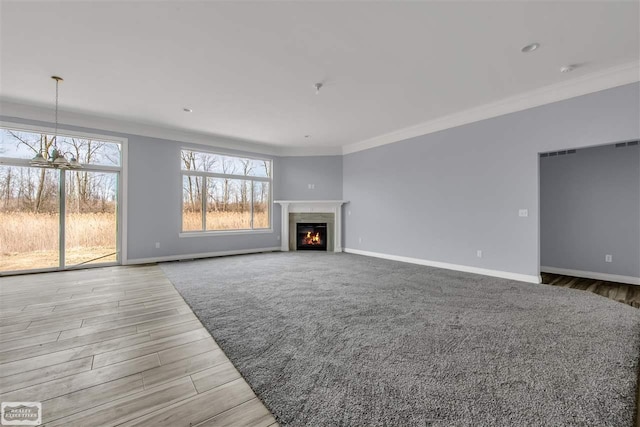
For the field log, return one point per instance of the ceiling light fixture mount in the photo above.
(530, 47)
(567, 68)
(318, 86)
(187, 110)
(55, 159)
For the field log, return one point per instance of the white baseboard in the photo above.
(445, 265)
(593, 275)
(200, 255)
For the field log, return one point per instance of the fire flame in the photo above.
(312, 238)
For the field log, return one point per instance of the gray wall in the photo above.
(590, 207)
(296, 173)
(444, 195)
(155, 192)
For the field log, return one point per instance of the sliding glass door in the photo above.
(91, 218)
(29, 218)
(54, 219)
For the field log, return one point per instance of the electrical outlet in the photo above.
(523, 212)
(359, 239)
(348, 212)
(608, 258)
(157, 245)
(479, 253)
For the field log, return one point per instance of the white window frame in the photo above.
(121, 237)
(205, 175)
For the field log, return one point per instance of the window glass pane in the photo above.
(25, 145)
(22, 145)
(91, 151)
(227, 165)
(260, 168)
(29, 218)
(228, 204)
(91, 217)
(195, 161)
(261, 205)
(191, 203)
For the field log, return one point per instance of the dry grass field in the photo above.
(224, 220)
(30, 241)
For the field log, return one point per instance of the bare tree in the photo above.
(245, 197)
(228, 167)
(42, 145)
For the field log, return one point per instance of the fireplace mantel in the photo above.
(311, 206)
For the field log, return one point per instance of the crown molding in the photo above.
(118, 126)
(109, 125)
(594, 82)
(310, 151)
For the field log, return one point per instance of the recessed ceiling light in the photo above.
(307, 136)
(530, 47)
(187, 110)
(567, 68)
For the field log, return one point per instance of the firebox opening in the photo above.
(311, 237)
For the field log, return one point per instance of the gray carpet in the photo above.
(345, 340)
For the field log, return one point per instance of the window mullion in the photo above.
(225, 176)
(252, 223)
(62, 208)
(204, 203)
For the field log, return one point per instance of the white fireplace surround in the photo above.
(315, 206)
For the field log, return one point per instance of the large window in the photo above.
(222, 192)
(52, 219)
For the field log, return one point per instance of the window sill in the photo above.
(223, 233)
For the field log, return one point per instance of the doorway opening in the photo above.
(590, 217)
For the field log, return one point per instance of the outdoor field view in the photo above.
(233, 192)
(30, 200)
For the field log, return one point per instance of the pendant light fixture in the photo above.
(55, 159)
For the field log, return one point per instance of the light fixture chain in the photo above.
(55, 135)
(55, 159)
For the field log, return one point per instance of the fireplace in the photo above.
(328, 212)
(311, 236)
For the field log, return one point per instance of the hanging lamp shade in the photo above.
(60, 161)
(38, 160)
(73, 162)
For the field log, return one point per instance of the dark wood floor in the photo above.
(626, 294)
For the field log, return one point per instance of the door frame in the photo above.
(122, 186)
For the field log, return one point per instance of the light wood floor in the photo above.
(621, 292)
(116, 346)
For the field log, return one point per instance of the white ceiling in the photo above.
(247, 69)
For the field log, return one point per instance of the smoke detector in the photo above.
(567, 68)
(530, 47)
